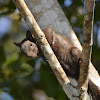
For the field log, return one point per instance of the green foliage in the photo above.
(50, 84)
(19, 75)
(7, 8)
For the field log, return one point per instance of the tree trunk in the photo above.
(48, 13)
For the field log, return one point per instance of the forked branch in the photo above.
(47, 51)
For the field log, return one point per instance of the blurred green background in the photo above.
(22, 78)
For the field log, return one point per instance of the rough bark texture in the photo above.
(40, 37)
(53, 11)
(67, 54)
(49, 14)
(47, 51)
(87, 41)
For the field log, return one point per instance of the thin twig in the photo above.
(87, 42)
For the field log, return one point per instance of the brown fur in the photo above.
(67, 54)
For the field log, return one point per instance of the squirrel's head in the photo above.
(28, 46)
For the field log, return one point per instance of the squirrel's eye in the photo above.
(30, 44)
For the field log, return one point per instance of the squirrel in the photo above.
(68, 55)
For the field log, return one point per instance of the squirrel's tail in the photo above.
(94, 91)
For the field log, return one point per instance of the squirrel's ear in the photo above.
(17, 44)
(28, 34)
(30, 37)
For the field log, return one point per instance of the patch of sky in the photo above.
(5, 24)
(98, 37)
(67, 3)
(5, 96)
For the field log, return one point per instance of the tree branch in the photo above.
(87, 42)
(60, 74)
(70, 91)
(46, 49)
(51, 12)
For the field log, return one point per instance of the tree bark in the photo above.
(48, 13)
(72, 92)
(87, 42)
(41, 39)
